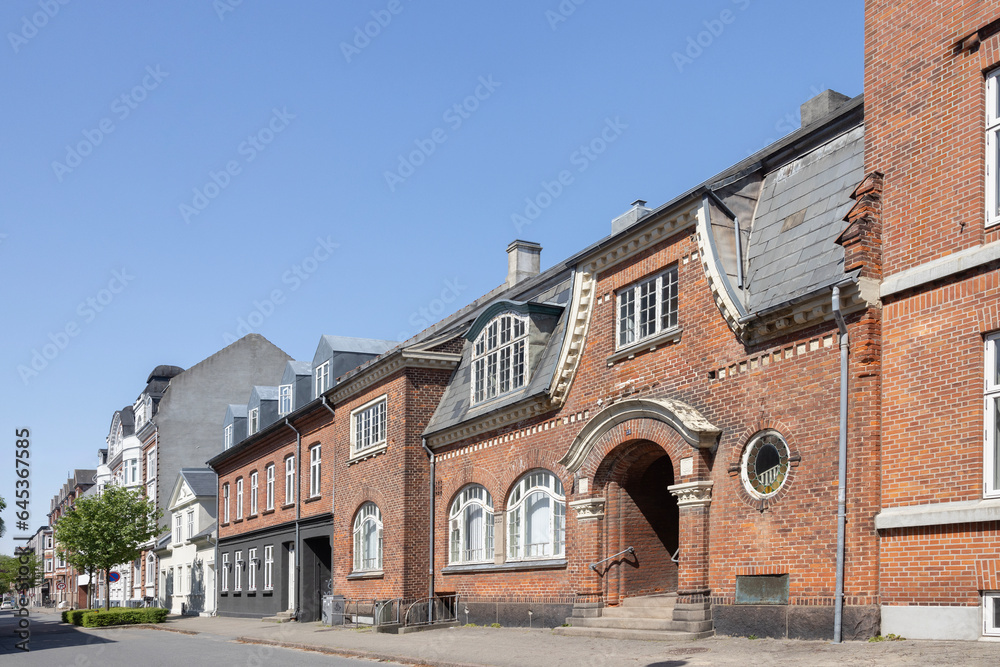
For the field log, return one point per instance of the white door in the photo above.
(291, 576)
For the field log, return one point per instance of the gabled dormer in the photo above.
(336, 355)
(192, 509)
(262, 409)
(295, 389)
(234, 427)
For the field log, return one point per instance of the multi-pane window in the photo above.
(471, 526)
(269, 488)
(150, 569)
(180, 578)
(290, 480)
(322, 378)
(647, 308)
(151, 465)
(225, 503)
(238, 572)
(991, 613)
(268, 567)
(253, 421)
(252, 570)
(368, 425)
(314, 470)
(991, 406)
(190, 524)
(253, 493)
(368, 538)
(239, 498)
(177, 529)
(225, 572)
(536, 517)
(993, 148)
(227, 436)
(284, 399)
(131, 471)
(500, 357)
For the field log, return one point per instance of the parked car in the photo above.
(6, 604)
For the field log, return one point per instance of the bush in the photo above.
(74, 616)
(123, 616)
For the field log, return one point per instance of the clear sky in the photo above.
(166, 166)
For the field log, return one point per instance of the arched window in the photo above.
(368, 538)
(536, 517)
(500, 357)
(471, 521)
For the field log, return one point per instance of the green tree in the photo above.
(3, 506)
(10, 567)
(103, 531)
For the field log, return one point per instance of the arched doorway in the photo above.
(641, 514)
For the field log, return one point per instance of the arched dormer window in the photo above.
(471, 526)
(536, 517)
(500, 357)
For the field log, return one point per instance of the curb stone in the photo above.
(347, 653)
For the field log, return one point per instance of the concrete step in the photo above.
(627, 623)
(649, 635)
(638, 612)
(666, 600)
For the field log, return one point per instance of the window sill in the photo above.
(514, 566)
(237, 520)
(224, 524)
(266, 512)
(224, 594)
(251, 594)
(369, 574)
(650, 344)
(357, 457)
(288, 506)
(268, 594)
(252, 516)
(311, 499)
(237, 594)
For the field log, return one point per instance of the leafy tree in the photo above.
(3, 506)
(103, 531)
(10, 566)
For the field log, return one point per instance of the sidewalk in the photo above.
(521, 647)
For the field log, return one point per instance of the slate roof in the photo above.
(201, 481)
(237, 410)
(205, 533)
(264, 393)
(800, 213)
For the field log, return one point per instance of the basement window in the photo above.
(991, 614)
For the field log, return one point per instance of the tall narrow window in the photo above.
(190, 524)
(151, 465)
(269, 493)
(284, 399)
(322, 378)
(177, 529)
(368, 426)
(993, 148)
(253, 421)
(225, 572)
(368, 538)
(991, 388)
(150, 569)
(227, 436)
(252, 570)
(225, 503)
(290, 480)
(314, 471)
(536, 517)
(238, 572)
(239, 498)
(648, 308)
(500, 357)
(471, 526)
(268, 567)
(253, 493)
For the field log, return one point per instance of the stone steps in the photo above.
(616, 633)
(653, 617)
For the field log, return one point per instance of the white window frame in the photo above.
(254, 479)
(284, 399)
(178, 535)
(363, 560)
(225, 572)
(290, 480)
(239, 498)
(315, 470)
(993, 148)
(991, 613)
(268, 567)
(151, 465)
(269, 487)
(150, 569)
(131, 473)
(238, 572)
(48, 541)
(462, 547)
(544, 482)
(253, 421)
(252, 569)
(369, 424)
(321, 378)
(635, 298)
(227, 436)
(500, 357)
(190, 523)
(225, 503)
(991, 414)
(48, 565)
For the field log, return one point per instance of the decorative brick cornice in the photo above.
(862, 239)
(588, 509)
(693, 494)
(477, 425)
(389, 365)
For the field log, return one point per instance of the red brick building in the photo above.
(931, 136)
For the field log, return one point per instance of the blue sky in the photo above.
(167, 166)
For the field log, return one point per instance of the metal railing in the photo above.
(630, 550)
(675, 558)
(428, 611)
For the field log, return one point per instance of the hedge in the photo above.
(123, 616)
(74, 616)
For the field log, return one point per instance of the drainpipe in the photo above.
(215, 610)
(838, 616)
(333, 489)
(430, 593)
(298, 511)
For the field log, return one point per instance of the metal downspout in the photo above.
(838, 616)
(298, 510)
(430, 591)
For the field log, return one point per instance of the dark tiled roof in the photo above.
(201, 481)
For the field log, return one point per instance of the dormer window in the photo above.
(500, 357)
(322, 378)
(647, 308)
(227, 436)
(253, 421)
(284, 399)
